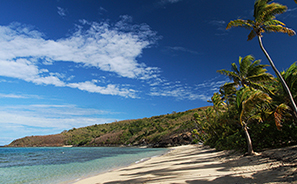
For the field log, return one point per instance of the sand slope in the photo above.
(200, 164)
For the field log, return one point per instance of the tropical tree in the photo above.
(249, 103)
(228, 94)
(265, 21)
(282, 102)
(218, 103)
(248, 73)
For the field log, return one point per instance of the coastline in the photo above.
(201, 164)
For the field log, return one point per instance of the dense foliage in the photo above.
(266, 114)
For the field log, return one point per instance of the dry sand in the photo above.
(200, 164)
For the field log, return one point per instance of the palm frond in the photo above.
(273, 22)
(244, 65)
(239, 23)
(248, 98)
(258, 6)
(261, 87)
(280, 29)
(262, 77)
(290, 76)
(269, 11)
(256, 116)
(232, 75)
(251, 35)
(234, 68)
(275, 9)
(256, 70)
(278, 115)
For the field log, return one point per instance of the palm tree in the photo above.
(249, 103)
(228, 94)
(281, 101)
(248, 73)
(218, 103)
(264, 21)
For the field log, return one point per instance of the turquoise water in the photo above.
(65, 165)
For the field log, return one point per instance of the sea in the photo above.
(51, 165)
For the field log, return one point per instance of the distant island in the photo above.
(158, 131)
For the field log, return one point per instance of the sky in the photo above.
(72, 63)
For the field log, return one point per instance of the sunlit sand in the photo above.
(200, 164)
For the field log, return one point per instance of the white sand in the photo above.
(199, 164)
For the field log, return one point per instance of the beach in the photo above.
(201, 164)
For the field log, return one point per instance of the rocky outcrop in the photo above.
(175, 140)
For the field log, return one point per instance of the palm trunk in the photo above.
(280, 77)
(248, 140)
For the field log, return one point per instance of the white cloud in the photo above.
(25, 54)
(61, 12)
(18, 96)
(182, 49)
(203, 91)
(220, 24)
(212, 84)
(179, 93)
(109, 89)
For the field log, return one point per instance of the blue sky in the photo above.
(74, 63)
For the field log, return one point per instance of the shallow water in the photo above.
(65, 165)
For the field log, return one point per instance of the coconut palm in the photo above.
(280, 100)
(290, 76)
(249, 103)
(228, 94)
(249, 73)
(218, 103)
(264, 21)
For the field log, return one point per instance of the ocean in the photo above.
(51, 165)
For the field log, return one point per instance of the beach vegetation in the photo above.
(249, 117)
(158, 131)
(265, 20)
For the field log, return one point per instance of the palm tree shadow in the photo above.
(182, 163)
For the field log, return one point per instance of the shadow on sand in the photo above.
(202, 159)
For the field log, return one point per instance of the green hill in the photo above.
(158, 131)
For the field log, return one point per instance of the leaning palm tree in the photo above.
(249, 103)
(249, 73)
(264, 21)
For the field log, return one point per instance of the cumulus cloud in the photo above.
(25, 53)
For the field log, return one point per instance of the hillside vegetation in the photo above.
(158, 131)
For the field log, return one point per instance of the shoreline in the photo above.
(116, 169)
(201, 164)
